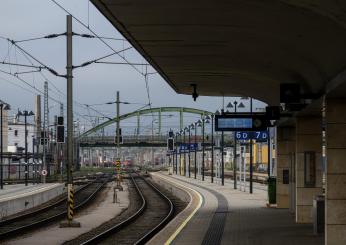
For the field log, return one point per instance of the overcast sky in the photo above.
(94, 84)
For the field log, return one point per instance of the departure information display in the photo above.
(227, 123)
(241, 122)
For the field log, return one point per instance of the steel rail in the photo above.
(147, 236)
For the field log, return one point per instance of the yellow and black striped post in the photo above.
(70, 203)
(118, 170)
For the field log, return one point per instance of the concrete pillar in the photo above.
(308, 165)
(285, 148)
(336, 172)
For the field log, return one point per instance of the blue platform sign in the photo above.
(244, 135)
(256, 135)
(185, 147)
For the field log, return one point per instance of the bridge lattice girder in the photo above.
(138, 113)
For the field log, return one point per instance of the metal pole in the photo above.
(222, 160)
(33, 161)
(19, 168)
(70, 129)
(37, 158)
(1, 146)
(251, 157)
(69, 101)
(9, 168)
(38, 132)
(196, 148)
(26, 147)
(176, 156)
(180, 154)
(269, 153)
(118, 125)
(184, 153)
(235, 153)
(203, 150)
(189, 152)
(45, 130)
(118, 138)
(212, 148)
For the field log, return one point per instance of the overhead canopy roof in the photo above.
(236, 47)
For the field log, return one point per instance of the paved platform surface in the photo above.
(20, 190)
(93, 216)
(18, 198)
(246, 220)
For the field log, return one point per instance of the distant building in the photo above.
(16, 136)
(4, 129)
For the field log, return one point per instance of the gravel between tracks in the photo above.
(133, 206)
(135, 203)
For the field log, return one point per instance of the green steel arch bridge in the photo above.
(87, 139)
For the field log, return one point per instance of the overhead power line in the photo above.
(51, 70)
(103, 57)
(29, 56)
(94, 33)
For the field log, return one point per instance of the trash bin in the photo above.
(272, 190)
(318, 214)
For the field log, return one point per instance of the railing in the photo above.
(125, 139)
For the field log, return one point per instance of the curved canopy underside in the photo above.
(233, 47)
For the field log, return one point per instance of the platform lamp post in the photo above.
(180, 153)
(199, 124)
(210, 118)
(172, 154)
(196, 148)
(190, 128)
(221, 150)
(3, 106)
(222, 155)
(184, 140)
(26, 114)
(235, 106)
(176, 153)
(204, 121)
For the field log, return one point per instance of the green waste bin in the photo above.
(272, 190)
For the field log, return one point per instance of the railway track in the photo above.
(30, 221)
(153, 213)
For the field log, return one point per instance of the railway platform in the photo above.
(17, 198)
(228, 216)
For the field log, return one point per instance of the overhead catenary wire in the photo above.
(14, 43)
(105, 43)
(103, 57)
(43, 66)
(93, 32)
(34, 88)
(29, 56)
(51, 70)
(41, 73)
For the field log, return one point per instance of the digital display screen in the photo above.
(229, 123)
(238, 122)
